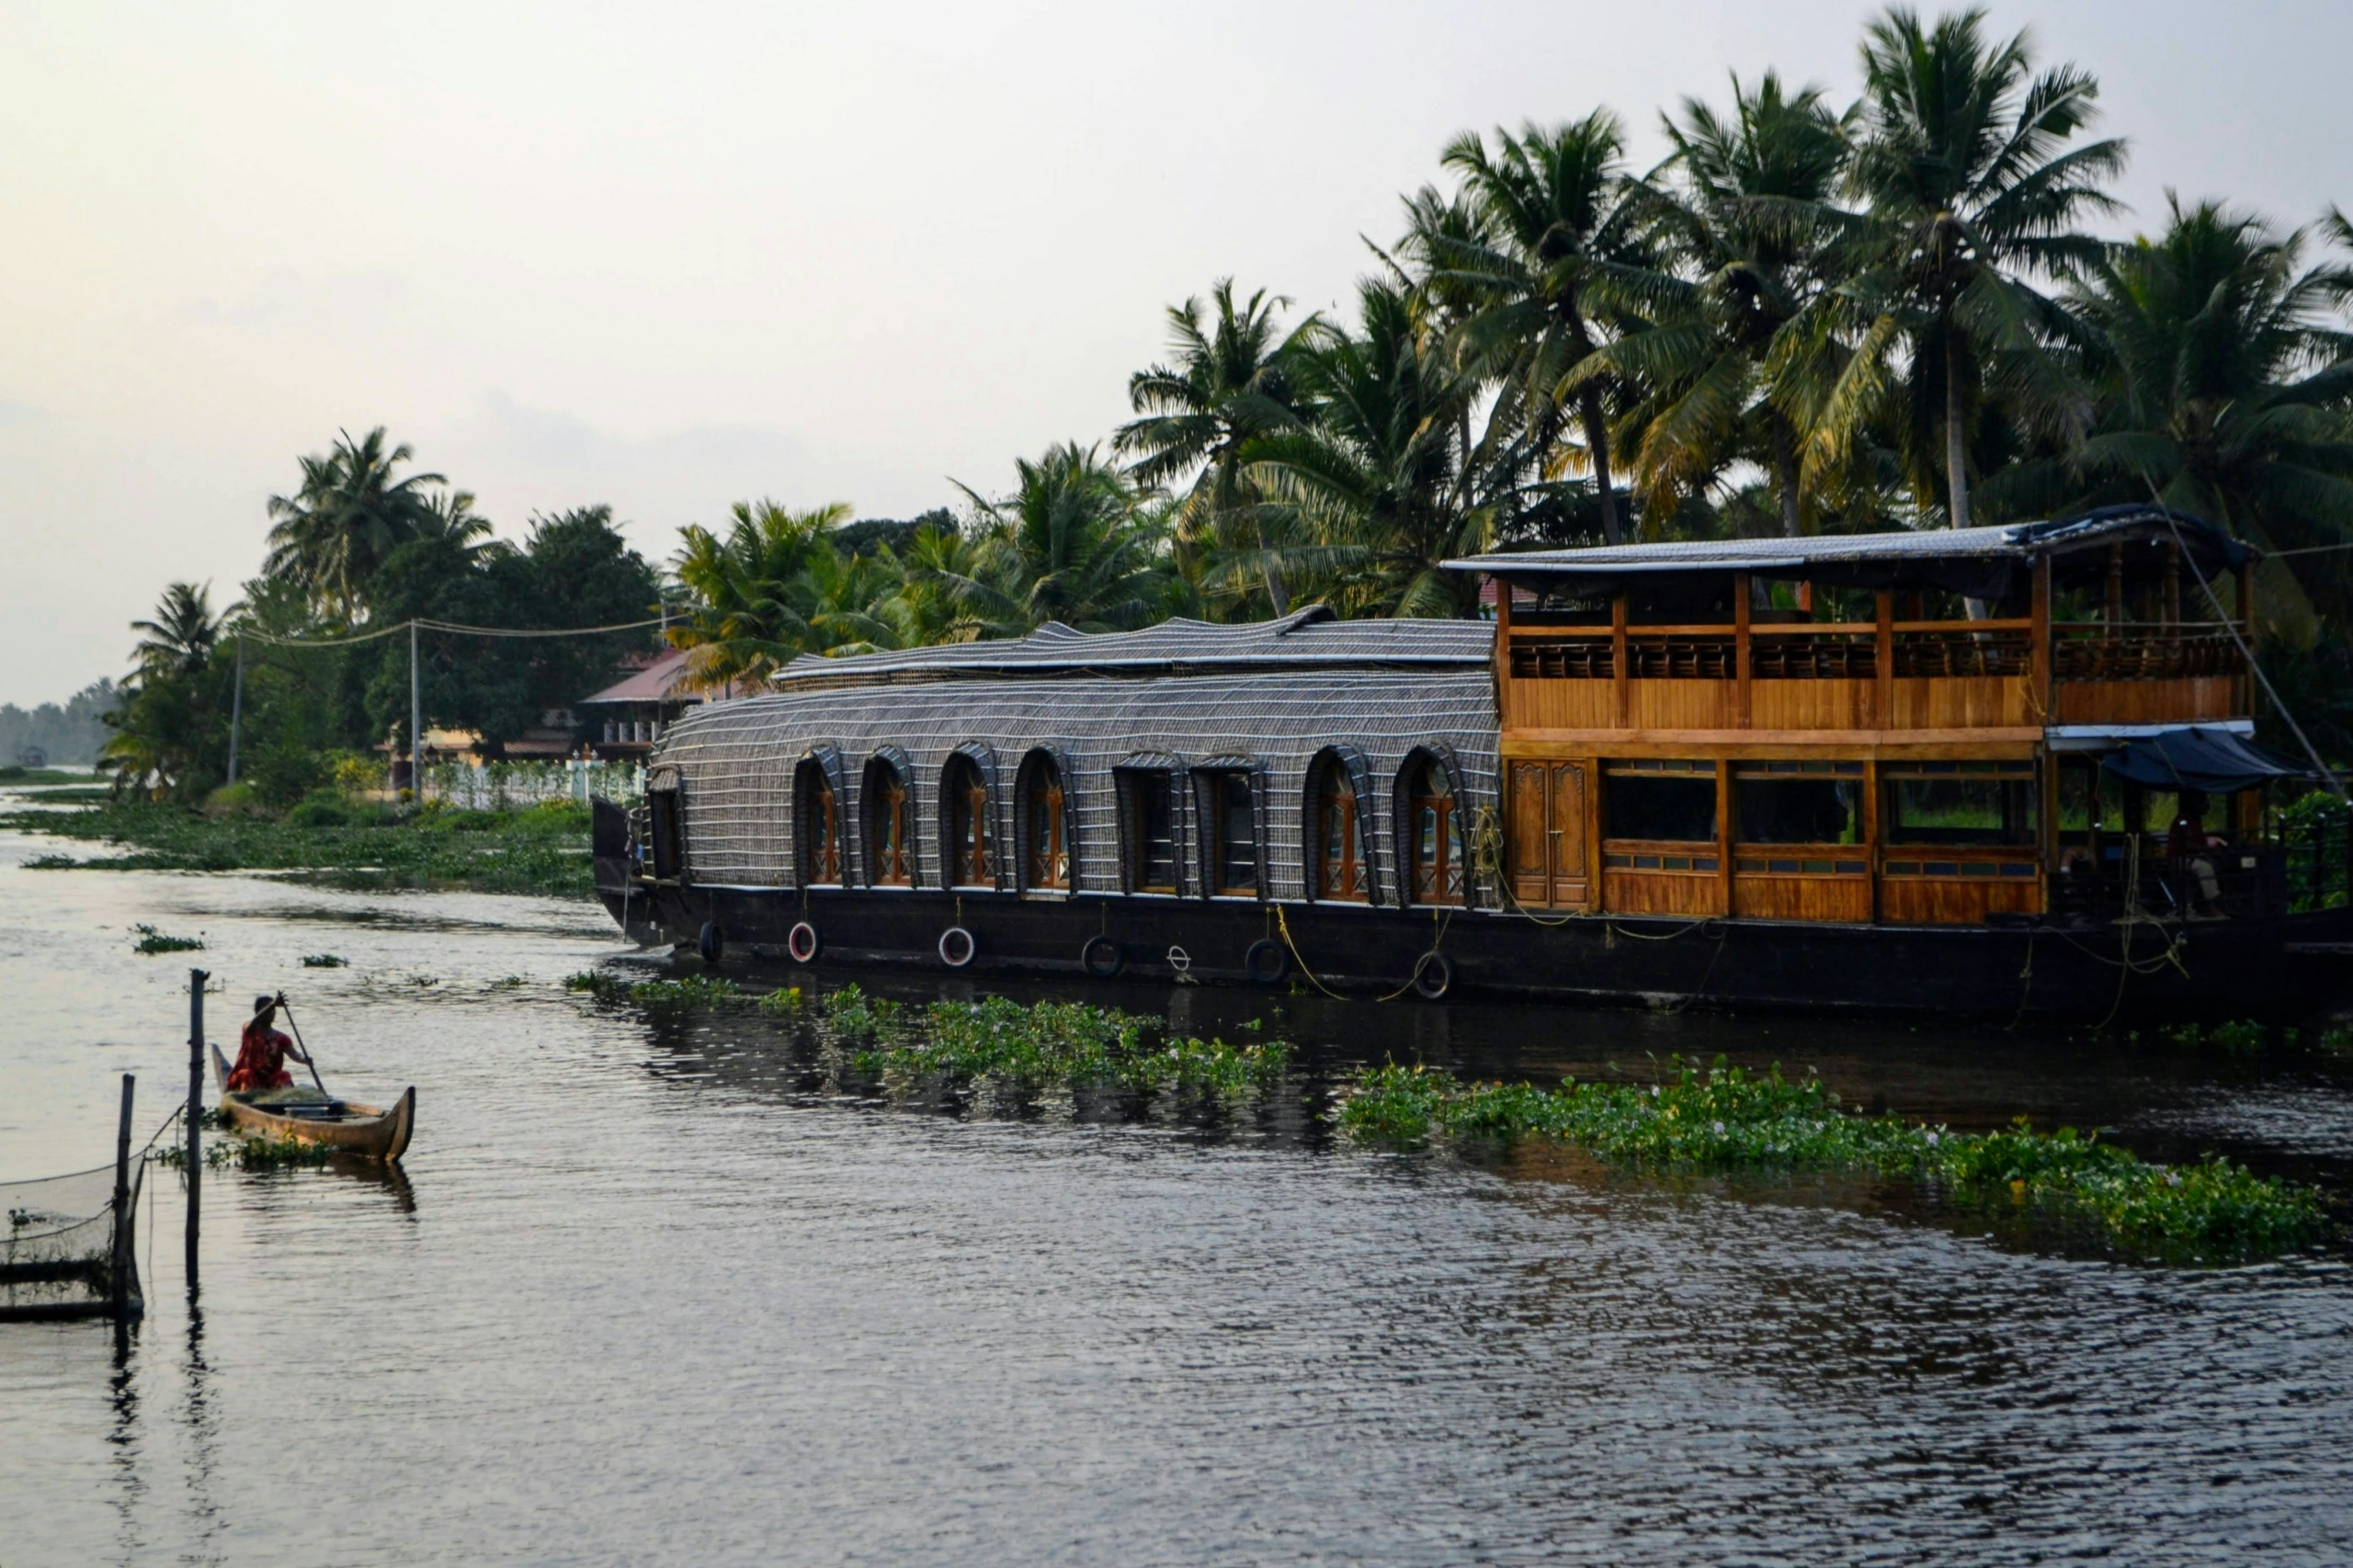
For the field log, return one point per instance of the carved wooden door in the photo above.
(1545, 833)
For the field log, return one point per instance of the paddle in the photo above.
(308, 1060)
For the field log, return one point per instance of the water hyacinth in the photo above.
(1728, 1119)
(1064, 1044)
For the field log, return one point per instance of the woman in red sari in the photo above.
(262, 1052)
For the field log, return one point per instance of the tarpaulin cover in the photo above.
(2212, 762)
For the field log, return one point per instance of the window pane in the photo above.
(1342, 861)
(1237, 848)
(1799, 811)
(1960, 810)
(1049, 856)
(1156, 833)
(1662, 806)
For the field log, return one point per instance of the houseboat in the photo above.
(1996, 770)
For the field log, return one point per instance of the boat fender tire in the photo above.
(1102, 958)
(1433, 974)
(957, 946)
(803, 943)
(1267, 964)
(712, 943)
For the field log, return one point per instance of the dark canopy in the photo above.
(2211, 761)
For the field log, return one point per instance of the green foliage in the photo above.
(325, 960)
(1726, 1119)
(1063, 1044)
(2241, 1036)
(693, 991)
(151, 941)
(690, 991)
(524, 852)
(248, 1151)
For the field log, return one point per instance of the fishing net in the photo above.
(57, 1253)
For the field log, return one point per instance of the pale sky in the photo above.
(671, 256)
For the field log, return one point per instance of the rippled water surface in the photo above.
(641, 1296)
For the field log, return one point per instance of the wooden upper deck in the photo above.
(1867, 641)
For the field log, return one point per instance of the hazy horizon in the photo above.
(673, 260)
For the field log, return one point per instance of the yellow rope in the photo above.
(1282, 924)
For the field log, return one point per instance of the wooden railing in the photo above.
(2141, 651)
(1858, 676)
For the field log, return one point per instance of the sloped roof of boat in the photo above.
(2013, 541)
(1305, 638)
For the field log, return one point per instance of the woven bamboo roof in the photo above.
(1309, 638)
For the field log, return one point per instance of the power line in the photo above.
(423, 624)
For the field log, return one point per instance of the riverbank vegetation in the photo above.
(542, 850)
(1725, 1119)
(1808, 316)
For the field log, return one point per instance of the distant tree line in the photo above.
(1806, 317)
(70, 734)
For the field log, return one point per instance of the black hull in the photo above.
(2279, 969)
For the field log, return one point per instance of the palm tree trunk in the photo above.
(1785, 477)
(1596, 442)
(1275, 594)
(1956, 436)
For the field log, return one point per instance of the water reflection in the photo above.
(202, 1423)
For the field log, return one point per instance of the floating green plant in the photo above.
(151, 941)
(1728, 1119)
(52, 863)
(785, 1001)
(325, 960)
(852, 1011)
(2239, 1035)
(1069, 1044)
(250, 1152)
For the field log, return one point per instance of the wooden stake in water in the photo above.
(195, 1116)
(121, 1270)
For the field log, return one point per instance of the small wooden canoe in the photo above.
(374, 1132)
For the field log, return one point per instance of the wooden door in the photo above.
(1545, 836)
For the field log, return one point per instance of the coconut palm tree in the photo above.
(449, 518)
(1230, 379)
(1071, 545)
(180, 640)
(1969, 191)
(1554, 228)
(1744, 232)
(2224, 371)
(349, 516)
(1386, 484)
(753, 591)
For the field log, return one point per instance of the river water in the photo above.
(644, 1295)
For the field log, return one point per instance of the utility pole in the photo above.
(237, 707)
(416, 721)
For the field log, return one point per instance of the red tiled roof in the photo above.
(658, 682)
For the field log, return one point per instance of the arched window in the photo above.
(1045, 826)
(1435, 821)
(890, 819)
(820, 828)
(1338, 829)
(970, 854)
